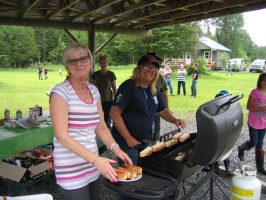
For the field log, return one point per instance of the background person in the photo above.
(161, 87)
(256, 123)
(45, 73)
(226, 160)
(167, 77)
(161, 70)
(76, 113)
(195, 76)
(229, 68)
(40, 72)
(135, 106)
(105, 81)
(181, 72)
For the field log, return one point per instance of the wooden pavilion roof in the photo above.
(132, 17)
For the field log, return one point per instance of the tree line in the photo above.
(22, 47)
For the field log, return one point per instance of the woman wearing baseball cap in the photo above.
(135, 106)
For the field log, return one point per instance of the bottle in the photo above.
(40, 111)
(18, 114)
(7, 114)
(39, 108)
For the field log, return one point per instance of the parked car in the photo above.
(258, 65)
(237, 64)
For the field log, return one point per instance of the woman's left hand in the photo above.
(122, 155)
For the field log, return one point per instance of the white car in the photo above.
(237, 64)
(258, 65)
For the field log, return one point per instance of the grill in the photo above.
(219, 123)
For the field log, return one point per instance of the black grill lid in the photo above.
(219, 123)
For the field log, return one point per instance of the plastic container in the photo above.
(18, 114)
(246, 186)
(7, 114)
(32, 197)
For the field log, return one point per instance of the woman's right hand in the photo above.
(104, 166)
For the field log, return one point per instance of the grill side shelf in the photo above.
(145, 188)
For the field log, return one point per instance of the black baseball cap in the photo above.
(148, 59)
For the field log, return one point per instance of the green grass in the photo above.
(22, 89)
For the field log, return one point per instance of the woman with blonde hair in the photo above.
(76, 113)
(135, 106)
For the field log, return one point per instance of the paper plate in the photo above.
(137, 178)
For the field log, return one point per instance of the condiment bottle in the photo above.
(40, 111)
(39, 108)
(7, 113)
(18, 114)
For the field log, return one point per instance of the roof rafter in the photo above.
(62, 8)
(196, 10)
(86, 12)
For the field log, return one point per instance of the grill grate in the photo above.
(179, 151)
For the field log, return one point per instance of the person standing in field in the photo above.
(60, 71)
(195, 76)
(105, 81)
(167, 77)
(181, 72)
(40, 72)
(161, 70)
(229, 68)
(45, 73)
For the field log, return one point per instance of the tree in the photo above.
(228, 31)
(56, 54)
(223, 59)
(19, 45)
(172, 41)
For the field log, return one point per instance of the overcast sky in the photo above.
(255, 26)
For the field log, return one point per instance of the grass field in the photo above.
(22, 89)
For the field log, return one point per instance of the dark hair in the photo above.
(261, 77)
(195, 64)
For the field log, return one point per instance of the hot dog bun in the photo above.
(184, 137)
(181, 157)
(122, 175)
(134, 168)
(158, 147)
(145, 152)
(170, 143)
(131, 174)
(176, 136)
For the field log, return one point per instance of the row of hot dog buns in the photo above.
(126, 172)
(161, 145)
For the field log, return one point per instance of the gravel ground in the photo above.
(107, 194)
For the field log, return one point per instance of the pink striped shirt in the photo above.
(71, 171)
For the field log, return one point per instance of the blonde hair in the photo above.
(75, 47)
(136, 75)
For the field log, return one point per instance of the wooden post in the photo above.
(91, 45)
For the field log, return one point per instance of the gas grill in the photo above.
(219, 123)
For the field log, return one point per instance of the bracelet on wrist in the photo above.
(112, 146)
(95, 159)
